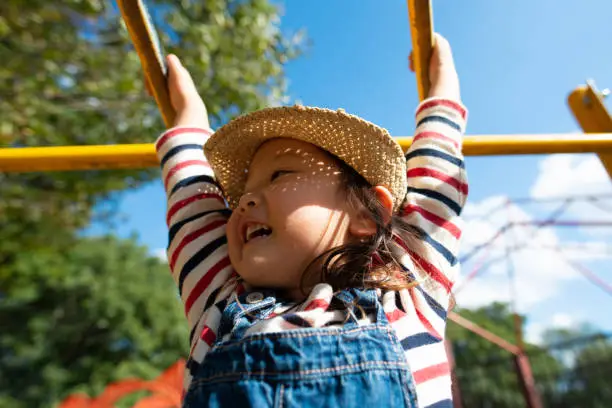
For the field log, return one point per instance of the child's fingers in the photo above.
(180, 84)
(411, 62)
(442, 53)
(442, 72)
(190, 109)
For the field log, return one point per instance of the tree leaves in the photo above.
(102, 310)
(78, 313)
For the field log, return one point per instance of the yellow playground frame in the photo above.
(585, 102)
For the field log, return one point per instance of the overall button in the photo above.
(254, 297)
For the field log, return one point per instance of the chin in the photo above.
(264, 277)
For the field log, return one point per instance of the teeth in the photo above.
(251, 229)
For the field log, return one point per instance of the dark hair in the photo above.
(372, 263)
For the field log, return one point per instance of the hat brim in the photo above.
(367, 148)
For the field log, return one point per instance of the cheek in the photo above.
(231, 231)
(313, 228)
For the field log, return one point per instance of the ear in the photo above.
(385, 197)
(361, 222)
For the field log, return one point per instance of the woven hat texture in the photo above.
(367, 148)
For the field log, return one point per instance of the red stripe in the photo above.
(180, 204)
(424, 321)
(427, 267)
(427, 324)
(443, 102)
(204, 282)
(451, 181)
(439, 221)
(208, 335)
(181, 166)
(317, 304)
(431, 372)
(191, 237)
(435, 135)
(175, 132)
(395, 315)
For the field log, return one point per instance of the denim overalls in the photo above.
(352, 366)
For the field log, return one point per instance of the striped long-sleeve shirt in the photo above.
(437, 190)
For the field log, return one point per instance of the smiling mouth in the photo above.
(256, 232)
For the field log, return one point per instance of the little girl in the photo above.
(315, 260)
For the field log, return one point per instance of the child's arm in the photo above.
(196, 213)
(437, 185)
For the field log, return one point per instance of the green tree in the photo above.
(587, 358)
(486, 373)
(69, 76)
(81, 312)
(77, 320)
(590, 383)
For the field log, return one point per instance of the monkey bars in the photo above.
(30, 159)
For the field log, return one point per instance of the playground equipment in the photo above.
(585, 102)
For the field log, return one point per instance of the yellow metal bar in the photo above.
(31, 159)
(586, 103)
(146, 42)
(421, 29)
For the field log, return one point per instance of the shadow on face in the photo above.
(288, 166)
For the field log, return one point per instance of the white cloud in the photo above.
(534, 332)
(537, 257)
(538, 266)
(160, 253)
(569, 175)
(563, 320)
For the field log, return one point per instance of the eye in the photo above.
(279, 173)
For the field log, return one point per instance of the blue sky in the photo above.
(517, 61)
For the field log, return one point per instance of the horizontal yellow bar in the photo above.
(29, 159)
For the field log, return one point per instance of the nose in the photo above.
(248, 201)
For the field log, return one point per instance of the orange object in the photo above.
(166, 392)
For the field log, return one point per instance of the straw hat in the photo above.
(367, 148)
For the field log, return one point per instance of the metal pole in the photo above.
(455, 386)
(421, 30)
(525, 376)
(29, 159)
(586, 103)
(484, 333)
(146, 42)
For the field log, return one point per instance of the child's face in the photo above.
(292, 189)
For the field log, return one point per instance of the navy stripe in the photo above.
(192, 366)
(193, 180)
(191, 333)
(441, 119)
(442, 250)
(432, 303)
(176, 227)
(199, 257)
(177, 149)
(435, 153)
(418, 340)
(211, 298)
(446, 403)
(437, 196)
(296, 320)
